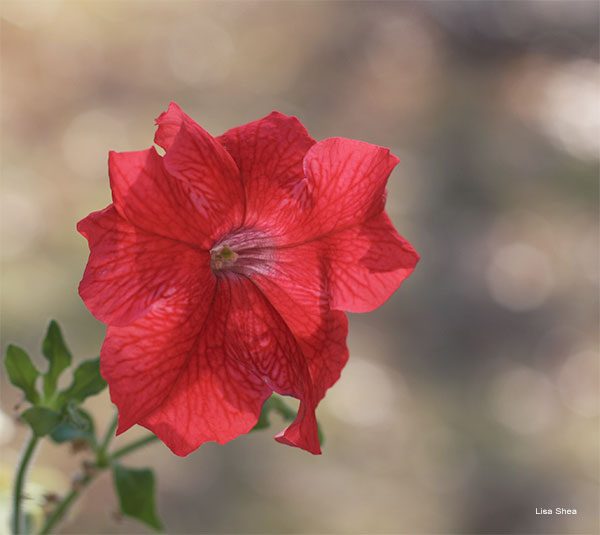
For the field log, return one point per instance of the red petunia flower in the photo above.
(223, 269)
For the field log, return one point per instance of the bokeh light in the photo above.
(524, 400)
(520, 277)
(579, 384)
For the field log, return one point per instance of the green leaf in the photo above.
(55, 350)
(135, 488)
(263, 420)
(283, 409)
(42, 420)
(275, 403)
(77, 425)
(21, 372)
(76, 417)
(87, 381)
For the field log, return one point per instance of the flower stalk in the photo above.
(132, 447)
(90, 474)
(64, 505)
(20, 483)
(58, 415)
(101, 458)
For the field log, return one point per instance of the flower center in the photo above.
(244, 251)
(222, 257)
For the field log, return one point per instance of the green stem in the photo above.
(20, 482)
(65, 503)
(81, 485)
(133, 446)
(110, 433)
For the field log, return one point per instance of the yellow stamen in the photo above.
(223, 257)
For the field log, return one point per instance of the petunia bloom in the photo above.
(223, 270)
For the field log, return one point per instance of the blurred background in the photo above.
(471, 396)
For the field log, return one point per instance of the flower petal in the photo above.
(169, 124)
(244, 351)
(269, 153)
(297, 287)
(197, 159)
(129, 269)
(142, 361)
(346, 180)
(367, 263)
(145, 195)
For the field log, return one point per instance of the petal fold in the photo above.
(346, 179)
(169, 124)
(244, 352)
(129, 269)
(269, 153)
(143, 361)
(367, 263)
(197, 159)
(149, 198)
(298, 288)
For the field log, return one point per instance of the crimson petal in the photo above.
(269, 153)
(367, 263)
(346, 180)
(243, 352)
(129, 269)
(149, 198)
(198, 160)
(142, 361)
(297, 287)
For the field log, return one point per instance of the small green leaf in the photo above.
(274, 403)
(57, 353)
(22, 372)
(87, 381)
(263, 420)
(76, 417)
(42, 420)
(77, 425)
(135, 488)
(283, 409)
